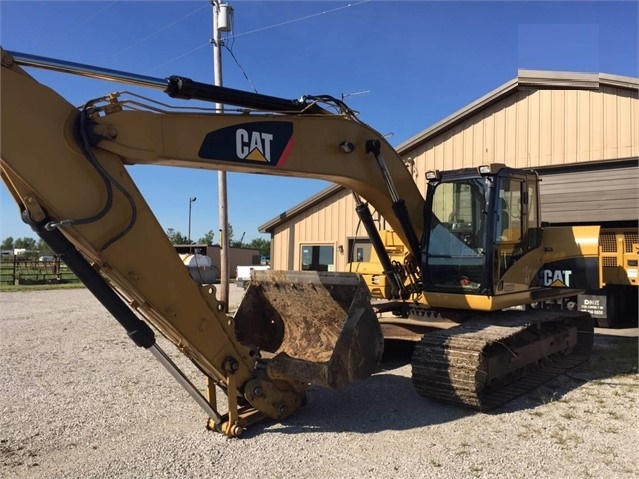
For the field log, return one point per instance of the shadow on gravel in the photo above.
(613, 357)
(384, 402)
(387, 401)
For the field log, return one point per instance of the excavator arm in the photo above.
(65, 167)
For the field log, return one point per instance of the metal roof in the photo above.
(526, 79)
(299, 208)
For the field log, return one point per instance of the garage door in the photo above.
(593, 193)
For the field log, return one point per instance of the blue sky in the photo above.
(419, 61)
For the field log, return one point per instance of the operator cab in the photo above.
(478, 222)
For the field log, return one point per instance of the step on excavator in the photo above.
(475, 246)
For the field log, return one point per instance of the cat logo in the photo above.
(253, 146)
(267, 143)
(557, 278)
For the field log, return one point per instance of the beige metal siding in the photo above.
(331, 222)
(539, 128)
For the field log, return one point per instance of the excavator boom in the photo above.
(282, 137)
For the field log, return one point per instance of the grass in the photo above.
(614, 415)
(547, 398)
(618, 358)
(566, 438)
(611, 429)
(11, 288)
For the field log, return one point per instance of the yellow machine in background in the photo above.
(372, 271)
(611, 300)
(473, 247)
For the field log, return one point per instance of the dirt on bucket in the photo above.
(312, 317)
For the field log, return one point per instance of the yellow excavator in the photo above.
(475, 246)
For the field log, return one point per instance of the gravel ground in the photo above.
(78, 400)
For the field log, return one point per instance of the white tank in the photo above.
(196, 260)
(200, 268)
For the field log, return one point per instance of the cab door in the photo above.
(516, 219)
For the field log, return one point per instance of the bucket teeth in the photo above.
(319, 327)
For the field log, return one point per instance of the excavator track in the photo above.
(495, 357)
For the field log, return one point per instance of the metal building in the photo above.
(580, 131)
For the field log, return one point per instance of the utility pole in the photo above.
(222, 15)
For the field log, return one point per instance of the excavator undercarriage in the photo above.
(492, 358)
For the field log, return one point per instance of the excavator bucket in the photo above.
(314, 327)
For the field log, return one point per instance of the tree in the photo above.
(176, 237)
(7, 243)
(27, 243)
(43, 248)
(207, 238)
(263, 245)
(232, 242)
(229, 233)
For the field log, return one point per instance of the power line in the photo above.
(177, 57)
(82, 22)
(287, 22)
(241, 69)
(160, 30)
(232, 37)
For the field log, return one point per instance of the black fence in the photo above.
(44, 270)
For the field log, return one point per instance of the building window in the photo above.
(318, 258)
(359, 249)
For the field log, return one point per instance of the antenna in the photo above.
(346, 95)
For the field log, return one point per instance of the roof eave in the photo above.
(273, 223)
(458, 116)
(526, 79)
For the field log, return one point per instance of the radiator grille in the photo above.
(630, 239)
(608, 242)
(609, 261)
